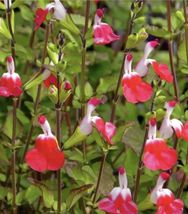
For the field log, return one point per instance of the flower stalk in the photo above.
(180, 190)
(99, 179)
(170, 49)
(58, 125)
(12, 41)
(14, 206)
(83, 67)
(116, 96)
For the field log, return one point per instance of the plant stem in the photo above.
(170, 48)
(37, 100)
(14, 206)
(140, 163)
(139, 168)
(83, 67)
(116, 96)
(12, 42)
(58, 130)
(180, 190)
(99, 179)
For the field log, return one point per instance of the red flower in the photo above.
(51, 80)
(40, 17)
(103, 33)
(46, 154)
(134, 88)
(164, 198)
(107, 129)
(119, 200)
(157, 155)
(185, 131)
(162, 71)
(10, 82)
(156, 151)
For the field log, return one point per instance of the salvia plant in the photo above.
(94, 115)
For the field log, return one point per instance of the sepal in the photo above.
(75, 139)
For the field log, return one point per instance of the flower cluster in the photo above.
(135, 89)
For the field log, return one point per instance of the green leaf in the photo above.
(32, 194)
(135, 140)
(53, 52)
(159, 32)
(76, 194)
(4, 30)
(106, 84)
(135, 39)
(146, 204)
(20, 197)
(88, 90)
(26, 13)
(69, 24)
(48, 197)
(17, 3)
(2, 6)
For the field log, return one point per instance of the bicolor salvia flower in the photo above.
(10, 82)
(134, 88)
(169, 126)
(85, 127)
(164, 199)
(46, 154)
(119, 199)
(57, 9)
(157, 154)
(103, 33)
(106, 129)
(161, 70)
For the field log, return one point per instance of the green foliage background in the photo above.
(38, 193)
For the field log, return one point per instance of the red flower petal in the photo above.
(10, 85)
(46, 153)
(106, 129)
(36, 160)
(107, 205)
(135, 89)
(103, 34)
(155, 152)
(40, 17)
(162, 71)
(51, 80)
(185, 131)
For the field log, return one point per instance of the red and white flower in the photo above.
(164, 198)
(10, 82)
(55, 7)
(185, 131)
(103, 33)
(134, 88)
(46, 154)
(67, 85)
(161, 70)
(106, 129)
(86, 126)
(119, 199)
(168, 125)
(157, 154)
(142, 67)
